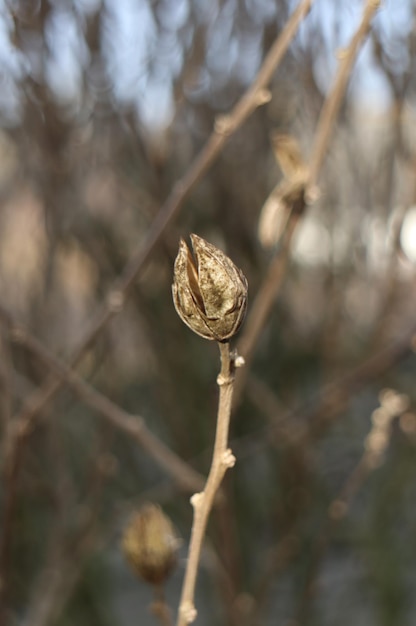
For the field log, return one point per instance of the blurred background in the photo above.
(103, 108)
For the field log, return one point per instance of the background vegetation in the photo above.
(104, 109)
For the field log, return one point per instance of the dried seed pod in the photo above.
(150, 544)
(273, 218)
(289, 156)
(210, 296)
(288, 195)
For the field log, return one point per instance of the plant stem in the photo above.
(132, 425)
(222, 459)
(160, 608)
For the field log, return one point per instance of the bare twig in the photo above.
(224, 129)
(202, 502)
(6, 400)
(133, 425)
(304, 425)
(265, 298)
(160, 608)
(5, 410)
(273, 280)
(61, 575)
(277, 561)
(392, 406)
(333, 102)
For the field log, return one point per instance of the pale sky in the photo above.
(142, 64)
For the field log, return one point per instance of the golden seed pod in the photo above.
(286, 196)
(273, 218)
(150, 544)
(210, 296)
(289, 156)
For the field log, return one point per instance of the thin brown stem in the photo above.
(273, 280)
(61, 575)
(263, 303)
(159, 608)
(225, 127)
(305, 424)
(10, 484)
(6, 397)
(132, 425)
(202, 502)
(5, 415)
(338, 509)
(335, 97)
(223, 130)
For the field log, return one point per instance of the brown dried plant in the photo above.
(211, 298)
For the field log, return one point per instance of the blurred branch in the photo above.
(333, 102)
(288, 547)
(305, 424)
(392, 405)
(5, 385)
(134, 426)
(391, 281)
(23, 423)
(224, 128)
(277, 560)
(265, 298)
(302, 427)
(62, 572)
(334, 396)
(275, 274)
(78, 533)
(292, 432)
(160, 608)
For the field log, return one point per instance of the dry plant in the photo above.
(22, 424)
(88, 474)
(302, 184)
(210, 296)
(392, 406)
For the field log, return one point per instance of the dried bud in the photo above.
(287, 196)
(150, 544)
(273, 218)
(289, 156)
(211, 295)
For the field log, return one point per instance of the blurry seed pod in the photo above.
(150, 544)
(273, 219)
(289, 195)
(286, 197)
(288, 156)
(210, 295)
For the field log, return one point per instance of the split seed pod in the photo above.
(150, 544)
(210, 296)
